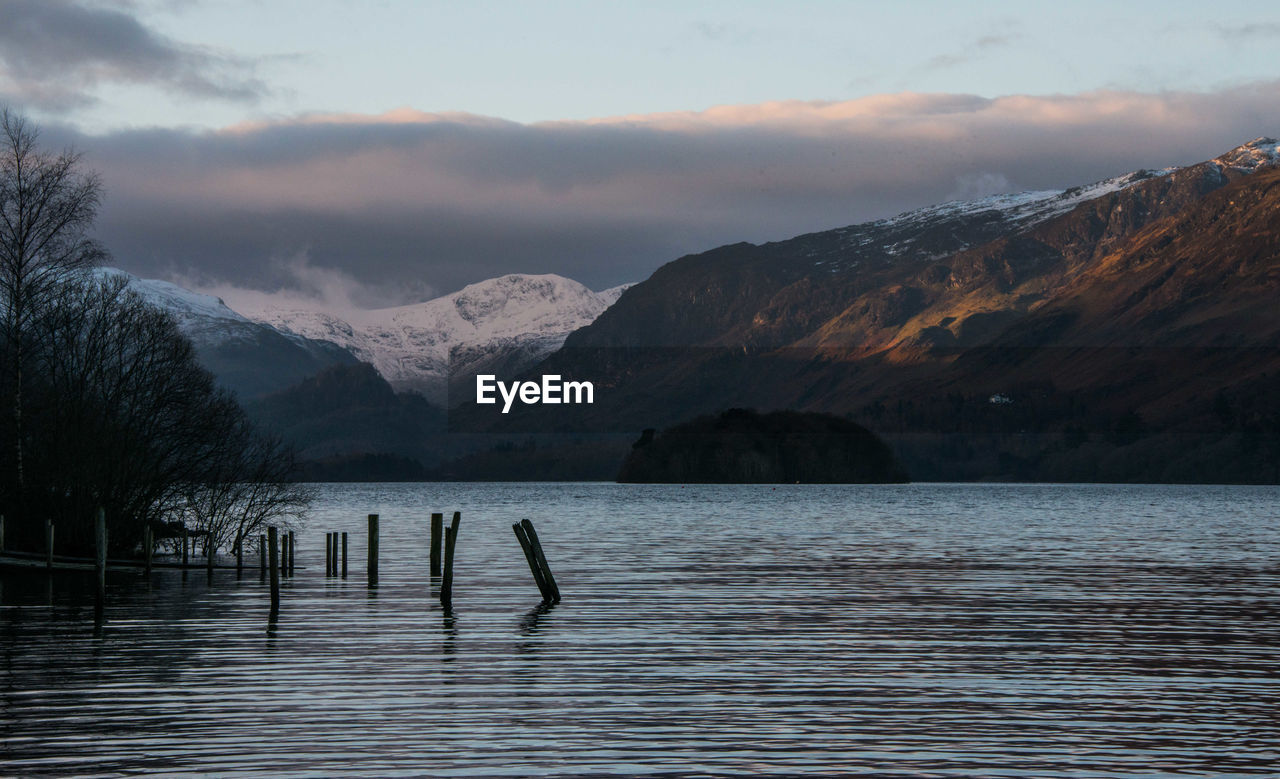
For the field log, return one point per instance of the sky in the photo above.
(385, 152)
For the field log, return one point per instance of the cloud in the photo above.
(411, 200)
(1254, 30)
(972, 51)
(53, 53)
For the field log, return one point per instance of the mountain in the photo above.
(1122, 330)
(501, 325)
(249, 357)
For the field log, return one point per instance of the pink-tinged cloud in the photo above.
(445, 199)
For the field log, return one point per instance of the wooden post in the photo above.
(100, 558)
(185, 546)
(148, 544)
(293, 550)
(48, 544)
(328, 554)
(274, 567)
(334, 562)
(344, 554)
(450, 544)
(538, 579)
(373, 550)
(208, 555)
(552, 589)
(437, 531)
(284, 553)
(262, 555)
(239, 552)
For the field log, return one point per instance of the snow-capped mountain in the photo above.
(502, 324)
(249, 357)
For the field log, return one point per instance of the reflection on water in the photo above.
(917, 630)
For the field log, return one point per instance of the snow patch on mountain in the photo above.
(416, 347)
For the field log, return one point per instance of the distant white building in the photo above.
(1000, 400)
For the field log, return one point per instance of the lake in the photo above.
(913, 630)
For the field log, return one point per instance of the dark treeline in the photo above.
(106, 405)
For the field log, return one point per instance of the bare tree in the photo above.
(47, 205)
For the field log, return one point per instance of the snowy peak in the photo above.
(418, 346)
(185, 305)
(1258, 153)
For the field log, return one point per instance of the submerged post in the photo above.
(275, 570)
(328, 554)
(344, 554)
(523, 538)
(437, 530)
(100, 557)
(239, 552)
(553, 592)
(373, 550)
(450, 544)
(48, 544)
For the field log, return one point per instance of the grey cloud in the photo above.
(419, 201)
(53, 52)
(969, 52)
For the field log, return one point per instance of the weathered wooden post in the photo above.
(100, 558)
(48, 544)
(293, 550)
(373, 550)
(538, 579)
(553, 592)
(239, 552)
(262, 555)
(334, 561)
(208, 555)
(328, 555)
(344, 554)
(284, 553)
(148, 544)
(275, 570)
(450, 544)
(185, 546)
(437, 531)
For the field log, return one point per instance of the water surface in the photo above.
(915, 630)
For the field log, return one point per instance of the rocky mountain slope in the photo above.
(1134, 308)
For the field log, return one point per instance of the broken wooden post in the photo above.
(538, 579)
(48, 544)
(328, 555)
(100, 558)
(344, 554)
(450, 544)
(553, 592)
(437, 531)
(373, 550)
(275, 570)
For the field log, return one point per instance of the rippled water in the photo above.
(916, 630)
